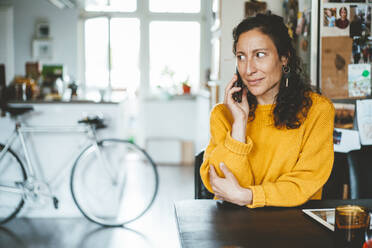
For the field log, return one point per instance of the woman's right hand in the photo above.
(239, 111)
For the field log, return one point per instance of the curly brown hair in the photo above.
(292, 102)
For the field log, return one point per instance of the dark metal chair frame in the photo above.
(201, 191)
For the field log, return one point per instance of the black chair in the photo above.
(337, 186)
(201, 191)
(353, 169)
(360, 170)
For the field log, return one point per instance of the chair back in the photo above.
(360, 170)
(201, 191)
(351, 176)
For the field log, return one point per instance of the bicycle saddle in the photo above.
(17, 110)
(96, 121)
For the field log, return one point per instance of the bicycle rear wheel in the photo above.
(12, 172)
(114, 183)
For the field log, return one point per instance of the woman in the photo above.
(330, 19)
(275, 147)
(342, 22)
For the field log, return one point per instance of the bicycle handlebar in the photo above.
(95, 121)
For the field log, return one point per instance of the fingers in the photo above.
(229, 101)
(245, 92)
(219, 197)
(226, 171)
(212, 171)
(232, 91)
(229, 86)
(212, 176)
(245, 98)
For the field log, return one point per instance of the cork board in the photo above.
(336, 56)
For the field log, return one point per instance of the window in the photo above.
(131, 45)
(174, 54)
(96, 52)
(180, 6)
(111, 5)
(125, 41)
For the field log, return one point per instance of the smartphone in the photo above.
(237, 96)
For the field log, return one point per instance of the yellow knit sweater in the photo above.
(282, 167)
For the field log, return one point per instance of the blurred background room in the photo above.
(153, 70)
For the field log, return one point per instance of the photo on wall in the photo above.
(336, 20)
(253, 8)
(329, 19)
(342, 22)
(42, 49)
(42, 30)
(360, 32)
(344, 115)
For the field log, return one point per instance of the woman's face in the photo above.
(329, 12)
(259, 65)
(343, 14)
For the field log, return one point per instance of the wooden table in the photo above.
(209, 223)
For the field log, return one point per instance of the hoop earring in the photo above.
(286, 70)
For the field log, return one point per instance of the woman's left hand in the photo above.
(228, 188)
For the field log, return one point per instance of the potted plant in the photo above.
(186, 88)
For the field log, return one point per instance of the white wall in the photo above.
(6, 41)
(63, 31)
(232, 12)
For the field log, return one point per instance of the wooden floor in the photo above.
(157, 228)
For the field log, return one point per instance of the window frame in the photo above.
(145, 17)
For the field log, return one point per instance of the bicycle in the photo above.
(100, 181)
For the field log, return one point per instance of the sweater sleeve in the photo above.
(313, 167)
(223, 148)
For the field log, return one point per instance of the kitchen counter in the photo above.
(61, 102)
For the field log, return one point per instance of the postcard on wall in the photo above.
(336, 55)
(360, 20)
(360, 31)
(335, 20)
(364, 119)
(345, 140)
(359, 80)
(344, 115)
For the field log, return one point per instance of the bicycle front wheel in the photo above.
(12, 174)
(114, 183)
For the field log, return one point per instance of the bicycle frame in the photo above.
(20, 132)
(104, 153)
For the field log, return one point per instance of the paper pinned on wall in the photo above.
(345, 140)
(364, 119)
(359, 80)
